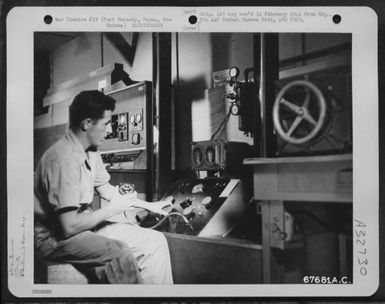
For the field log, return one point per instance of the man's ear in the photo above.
(86, 123)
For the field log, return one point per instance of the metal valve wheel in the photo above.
(299, 112)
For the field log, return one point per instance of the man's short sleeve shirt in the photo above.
(66, 174)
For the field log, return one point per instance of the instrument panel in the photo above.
(129, 137)
(202, 207)
(219, 155)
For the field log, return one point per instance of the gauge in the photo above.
(197, 156)
(233, 72)
(234, 109)
(138, 118)
(206, 200)
(210, 156)
(132, 118)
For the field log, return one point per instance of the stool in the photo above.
(64, 273)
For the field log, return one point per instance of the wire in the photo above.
(223, 129)
(223, 123)
(171, 214)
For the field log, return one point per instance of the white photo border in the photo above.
(361, 22)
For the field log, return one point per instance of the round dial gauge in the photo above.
(234, 109)
(210, 156)
(197, 156)
(233, 72)
(132, 118)
(138, 118)
(206, 200)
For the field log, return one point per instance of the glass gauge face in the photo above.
(197, 156)
(138, 118)
(210, 156)
(132, 118)
(233, 72)
(234, 109)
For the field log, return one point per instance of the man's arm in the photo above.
(107, 191)
(73, 222)
(64, 192)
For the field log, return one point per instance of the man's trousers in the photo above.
(115, 253)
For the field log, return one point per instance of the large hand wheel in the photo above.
(299, 112)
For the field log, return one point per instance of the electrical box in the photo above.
(126, 147)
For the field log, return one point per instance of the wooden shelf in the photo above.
(217, 239)
(323, 178)
(298, 159)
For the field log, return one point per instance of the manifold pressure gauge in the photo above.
(234, 108)
(132, 118)
(138, 118)
(233, 72)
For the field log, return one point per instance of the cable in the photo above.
(224, 122)
(223, 129)
(170, 214)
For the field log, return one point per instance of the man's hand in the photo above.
(155, 207)
(73, 222)
(120, 203)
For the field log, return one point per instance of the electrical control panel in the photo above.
(203, 207)
(131, 123)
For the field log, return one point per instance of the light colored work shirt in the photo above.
(67, 175)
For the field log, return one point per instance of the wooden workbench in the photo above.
(309, 179)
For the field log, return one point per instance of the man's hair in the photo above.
(89, 104)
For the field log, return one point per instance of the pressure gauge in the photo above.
(233, 72)
(206, 200)
(234, 109)
(132, 118)
(138, 118)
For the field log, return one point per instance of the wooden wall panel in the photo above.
(214, 261)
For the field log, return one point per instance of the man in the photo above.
(67, 231)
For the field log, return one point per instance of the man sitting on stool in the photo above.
(66, 230)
